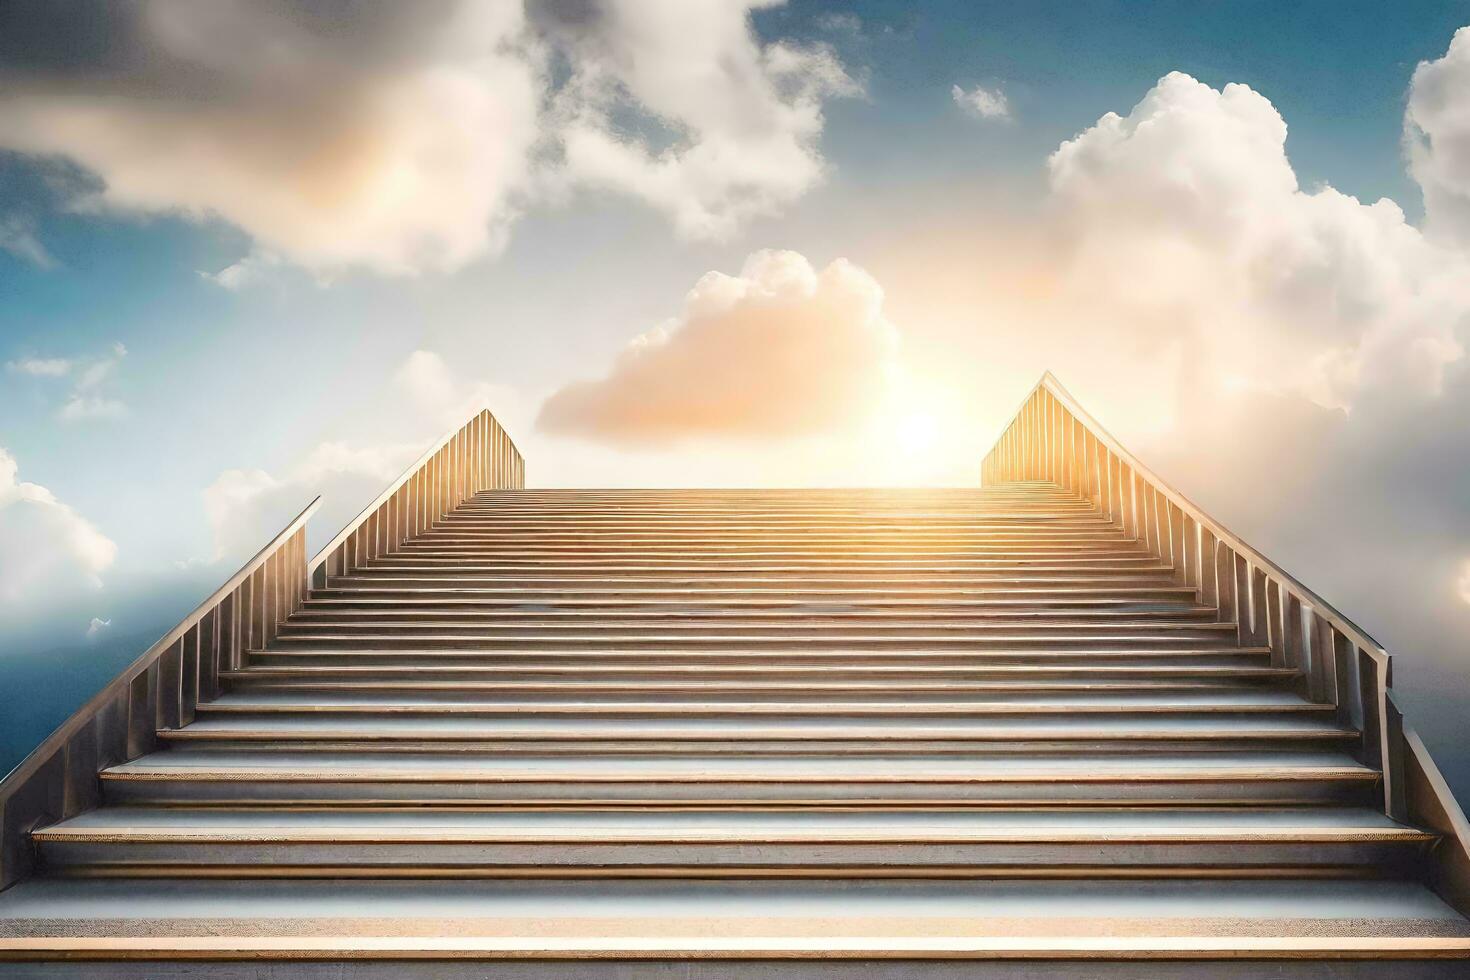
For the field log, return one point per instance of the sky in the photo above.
(252, 252)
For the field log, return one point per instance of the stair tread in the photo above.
(810, 824)
(887, 728)
(186, 763)
(642, 919)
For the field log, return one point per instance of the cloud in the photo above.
(18, 237)
(724, 127)
(982, 103)
(407, 138)
(47, 550)
(41, 367)
(246, 507)
(81, 407)
(383, 135)
(88, 399)
(1437, 133)
(1186, 214)
(434, 393)
(244, 272)
(97, 626)
(779, 350)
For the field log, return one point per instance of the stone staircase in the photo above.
(836, 733)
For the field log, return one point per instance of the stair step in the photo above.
(695, 734)
(182, 775)
(888, 655)
(808, 841)
(1148, 928)
(455, 698)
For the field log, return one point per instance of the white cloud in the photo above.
(981, 102)
(41, 367)
(88, 400)
(733, 123)
(97, 626)
(1437, 132)
(391, 138)
(81, 407)
(779, 350)
(246, 271)
(47, 550)
(18, 237)
(435, 394)
(1187, 213)
(406, 138)
(246, 507)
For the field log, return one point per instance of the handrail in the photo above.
(1053, 439)
(478, 455)
(160, 689)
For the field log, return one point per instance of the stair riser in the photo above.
(891, 745)
(635, 660)
(791, 647)
(277, 791)
(795, 712)
(704, 616)
(573, 858)
(758, 677)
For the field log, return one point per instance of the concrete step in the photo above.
(808, 842)
(702, 614)
(1129, 653)
(1034, 702)
(758, 676)
(360, 591)
(791, 642)
(764, 734)
(1143, 929)
(191, 775)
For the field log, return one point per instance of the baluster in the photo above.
(1298, 654)
(189, 674)
(1371, 722)
(1189, 531)
(1260, 623)
(1209, 570)
(1275, 628)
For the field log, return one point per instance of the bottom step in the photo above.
(862, 923)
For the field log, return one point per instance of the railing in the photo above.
(1053, 439)
(159, 690)
(477, 456)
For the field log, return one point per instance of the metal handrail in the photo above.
(1053, 438)
(478, 455)
(160, 689)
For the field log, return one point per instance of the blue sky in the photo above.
(1322, 359)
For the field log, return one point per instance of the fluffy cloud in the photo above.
(405, 138)
(89, 397)
(382, 135)
(1437, 131)
(1187, 214)
(47, 550)
(246, 507)
(982, 103)
(97, 626)
(18, 238)
(40, 367)
(736, 121)
(779, 350)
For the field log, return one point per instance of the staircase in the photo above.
(741, 734)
